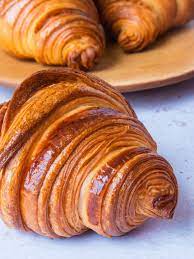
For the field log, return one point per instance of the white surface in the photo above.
(168, 113)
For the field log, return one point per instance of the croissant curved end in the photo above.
(160, 202)
(84, 58)
(74, 156)
(165, 205)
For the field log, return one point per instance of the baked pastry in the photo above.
(137, 23)
(53, 32)
(73, 156)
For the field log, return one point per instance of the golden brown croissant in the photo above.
(58, 32)
(73, 156)
(137, 23)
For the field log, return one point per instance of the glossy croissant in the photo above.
(74, 156)
(137, 23)
(53, 32)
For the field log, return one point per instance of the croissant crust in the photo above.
(137, 23)
(57, 32)
(74, 156)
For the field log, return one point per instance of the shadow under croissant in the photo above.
(76, 157)
(111, 53)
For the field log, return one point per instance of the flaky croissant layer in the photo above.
(73, 156)
(54, 32)
(137, 23)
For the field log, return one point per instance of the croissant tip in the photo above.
(166, 214)
(83, 59)
(158, 206)
(164, 205)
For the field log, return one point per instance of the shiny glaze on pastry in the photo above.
(74, 156)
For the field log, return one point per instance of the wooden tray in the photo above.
(169, 60)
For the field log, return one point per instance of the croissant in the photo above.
(53, 32)
(74, 156)
(137, 23)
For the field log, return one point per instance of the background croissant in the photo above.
(58, 32)
(137, 23)
(73, 156)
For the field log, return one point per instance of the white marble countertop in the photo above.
(168, 113)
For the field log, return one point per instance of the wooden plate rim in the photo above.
(133, 87)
